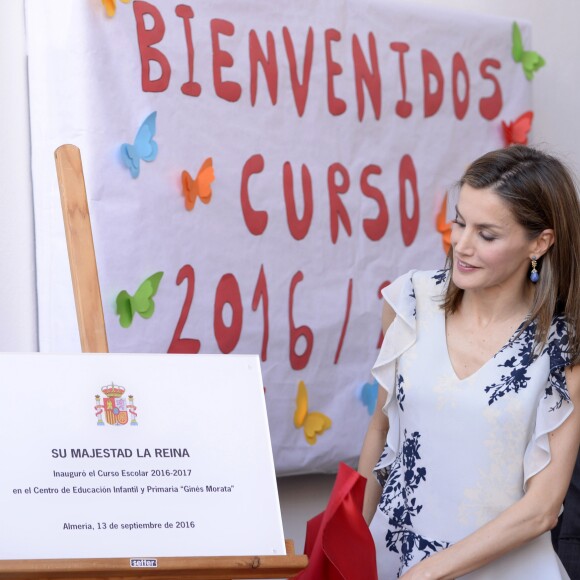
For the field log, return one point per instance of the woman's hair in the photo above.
(541, 194)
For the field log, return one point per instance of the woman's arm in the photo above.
(372, 448)
(375, 438)
(531, 516)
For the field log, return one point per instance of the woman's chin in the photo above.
(465, 280)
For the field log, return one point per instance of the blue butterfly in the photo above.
(368, 395)
(144, 147)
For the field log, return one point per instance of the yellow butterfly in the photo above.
(111, 6)
(314, 423)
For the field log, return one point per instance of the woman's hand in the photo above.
(421, 572)
(428, 569)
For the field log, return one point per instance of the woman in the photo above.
(479, 385)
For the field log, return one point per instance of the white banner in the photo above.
(278, 163)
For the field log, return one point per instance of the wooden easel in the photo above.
(94, 339)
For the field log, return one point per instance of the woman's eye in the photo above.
(487, 237)
(458, 222)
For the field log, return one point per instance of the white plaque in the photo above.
(139, 456)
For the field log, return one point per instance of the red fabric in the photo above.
(338, 543)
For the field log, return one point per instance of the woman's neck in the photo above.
(493, 305)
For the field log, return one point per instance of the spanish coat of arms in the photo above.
(117, 409)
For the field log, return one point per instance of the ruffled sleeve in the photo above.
(400, 336)
(555, 406)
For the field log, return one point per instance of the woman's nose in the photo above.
(461, 240)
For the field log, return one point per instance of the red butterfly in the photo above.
(517, 131)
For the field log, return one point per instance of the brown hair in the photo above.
(541, 194)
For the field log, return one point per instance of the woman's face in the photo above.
(490, 249)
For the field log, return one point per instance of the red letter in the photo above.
(178, 344)
(362, 73)
(490, 107)
(431, 68)
(336, 106)
(409, 225)
(190, 88)
(227, 291)
(298, 227)
(269, 66)
(337, 210)
(261, 292)
(459, 66)
(374, 228)
(300, 90)
(403, 108)
(345, 322)
(146, 39)
(228, 90)
(256, 221)
(298, 361)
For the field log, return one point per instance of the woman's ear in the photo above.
(542, 243)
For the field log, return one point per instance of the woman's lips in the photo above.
(464, 266)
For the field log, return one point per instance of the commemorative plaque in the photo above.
(138, 456)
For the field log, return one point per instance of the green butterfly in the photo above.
(141, 303)
(530, 59)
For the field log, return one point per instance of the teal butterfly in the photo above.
(144, 147)
(140, 303)
(368, 395)
(530, 59)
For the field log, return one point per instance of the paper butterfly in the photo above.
(517, 131)
(140, 303)
(111, 6)
(198, 187)
(368, 395)
(530, 59)
(443, 226)
(314, 423)
(143, 148)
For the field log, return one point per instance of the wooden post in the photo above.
(81, 252)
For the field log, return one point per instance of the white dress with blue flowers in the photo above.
(461, 451)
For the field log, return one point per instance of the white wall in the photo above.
(557, 126)
(17, 290)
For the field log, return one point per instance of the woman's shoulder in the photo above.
(436, 279)
(558, 342)
(416, 288)
(430, 282)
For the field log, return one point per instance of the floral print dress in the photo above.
(461, 451)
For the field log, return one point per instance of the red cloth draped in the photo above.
(338, 543)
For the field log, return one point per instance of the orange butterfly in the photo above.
(443, 226)
(517, 131)
(111, 6)
(198, 187)
(313, 423)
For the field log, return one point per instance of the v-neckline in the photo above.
(508, 342)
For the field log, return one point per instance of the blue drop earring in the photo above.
(534, 275)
